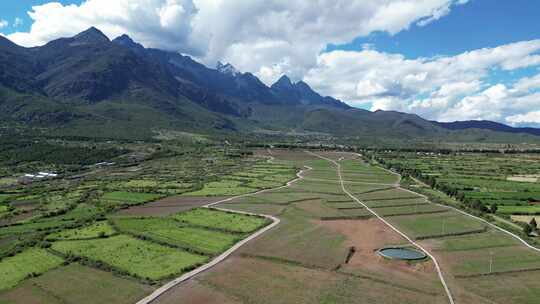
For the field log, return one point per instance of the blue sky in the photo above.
(12, 9)
(475, 59)
(478, 24)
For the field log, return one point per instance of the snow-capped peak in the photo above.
(227, 69)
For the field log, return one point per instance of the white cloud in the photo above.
(275, 37)
(530, 117)
(3, 23)
(443, 88)
(528, 83)
(268, 37)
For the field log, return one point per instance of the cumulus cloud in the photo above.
(268, 37)
(3, 23)
(158, 23)
(527, 118)
(275, 37)
(444, 88)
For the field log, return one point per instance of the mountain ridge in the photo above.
(88, 83)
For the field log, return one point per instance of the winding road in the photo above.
(275, 221)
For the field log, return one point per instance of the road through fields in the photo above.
(275, 221)
(439, 271)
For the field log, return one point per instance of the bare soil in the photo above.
(367, 236)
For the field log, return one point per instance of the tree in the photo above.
(527, 229)
(533, 224)
(493, 208)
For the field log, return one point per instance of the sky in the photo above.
(444, 60)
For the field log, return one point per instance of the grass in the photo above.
(4, 197)
(533, 210)
(520, 288)
(221, 220)
(509, 258)
(222, 188)
(432, 225)
(477, 241)
(130, 198)
(99, 229)
(76, 284)
(424, 208)
(300, 239)
(27, 263)
(174, 233)
(135, 257)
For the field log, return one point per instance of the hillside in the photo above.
(88, 85)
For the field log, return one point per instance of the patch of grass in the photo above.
(221, 188)
(27, 263)
(533, 210)
(431, 225)
(174, 233)
(130, 198)
(477, 241)
(4, 198)
(99, 229)
(301, 239)
(132, 256)
(221, 220)
(76, 284)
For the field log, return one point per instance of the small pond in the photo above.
(402, 253)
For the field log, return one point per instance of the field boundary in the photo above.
(435, 262)
(218, 259)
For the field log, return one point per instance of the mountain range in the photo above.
(88, 85)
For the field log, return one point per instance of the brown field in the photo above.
(193, 292)
(261, 281)
(367, 236)
(170, 205)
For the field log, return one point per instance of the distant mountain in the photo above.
(88, 85)
(486, 125)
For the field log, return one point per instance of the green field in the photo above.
(172, 232)
(99, 229)
(477, 241)
(433, 225)
(479, 180)
(526, 210)
(132, 256)
(4, 197)
(27, 263)
(221, 220)
(76, 284)
(130, 198)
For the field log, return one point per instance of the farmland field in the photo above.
(221, 220)
(122, 197)
(99, 229)
(32, 261)
(479, 180)
(170, 231)
(85, 286)
(133, 256)
(120, 232)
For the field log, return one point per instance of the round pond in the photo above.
(397, 253)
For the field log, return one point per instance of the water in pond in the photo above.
(402, 253)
